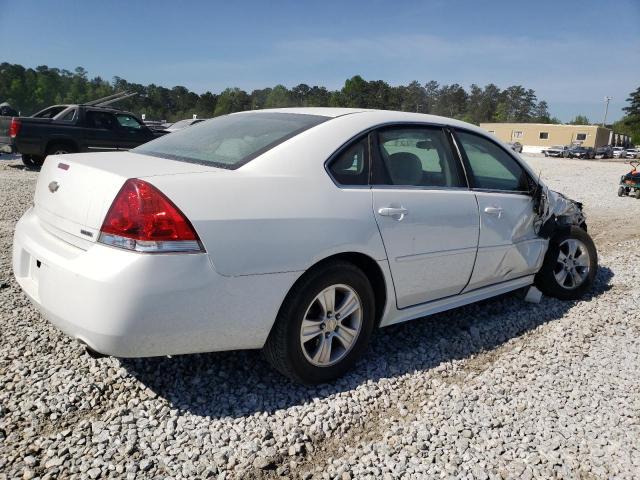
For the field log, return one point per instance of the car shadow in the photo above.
(240, 383)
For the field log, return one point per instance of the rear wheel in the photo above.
(324, 324)
(570, 265)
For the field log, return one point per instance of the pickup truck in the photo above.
(72, 128)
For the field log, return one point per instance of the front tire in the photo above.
(570, 265)
(637, 194)
(324, 324)
(621, 191)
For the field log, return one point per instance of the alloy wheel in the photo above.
(331, 325)
(572, 265)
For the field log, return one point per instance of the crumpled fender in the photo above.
(554, 211)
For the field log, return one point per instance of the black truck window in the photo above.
(97, 119)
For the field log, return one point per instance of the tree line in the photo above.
(31, 89)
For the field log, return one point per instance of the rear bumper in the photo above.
(128, 304)
(7, 148)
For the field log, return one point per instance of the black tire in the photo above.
(60, 149)
(546, 154)
(546, 280)
(33, 162)
(621, 191)
(637, 194)
(283, 348)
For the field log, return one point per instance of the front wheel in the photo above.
(621, 191)
(324, 324)
(570, 265)
(637, 193)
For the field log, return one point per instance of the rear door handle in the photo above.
(397, 213)
(493, 211)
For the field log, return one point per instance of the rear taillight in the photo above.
(143, 219)
(14, 127)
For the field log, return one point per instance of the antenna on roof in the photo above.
(104, 99)
(114, 100)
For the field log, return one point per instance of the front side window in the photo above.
(128, 121)
(350, 166)
(416, 156)
(230, 141)
(492, 168)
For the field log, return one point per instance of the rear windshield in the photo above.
(230, 141)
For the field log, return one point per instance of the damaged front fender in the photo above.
(554, 211)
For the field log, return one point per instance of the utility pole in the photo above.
(606, 109)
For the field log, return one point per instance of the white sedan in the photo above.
(298, 231)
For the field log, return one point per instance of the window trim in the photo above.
(467, 165)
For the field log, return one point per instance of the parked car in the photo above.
(180, 124)
(632, 153)
(618, 152)
(515, 146)
(155, 124)
(256, 230)
(606, 151)
(578, 151)
(556, 151)
(64, 129)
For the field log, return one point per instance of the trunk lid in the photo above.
(74, 192)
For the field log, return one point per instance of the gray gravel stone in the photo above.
(502, 389)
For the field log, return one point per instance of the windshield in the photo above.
(230, 141)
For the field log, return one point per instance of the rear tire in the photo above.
(32, 161)
(309, 302)
(570, 265)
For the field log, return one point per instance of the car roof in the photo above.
(376, 116)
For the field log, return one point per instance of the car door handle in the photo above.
(396, 212)
(493, 211)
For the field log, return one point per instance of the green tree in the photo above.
(278, 97)
(579, 120)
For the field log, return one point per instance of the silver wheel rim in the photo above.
(572, 265)
(331, 325)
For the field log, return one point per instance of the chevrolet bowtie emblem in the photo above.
(54, 186)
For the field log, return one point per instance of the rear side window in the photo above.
(230, 141)
(350, 166)
(416, 156)
(97, 119)
(492, 168)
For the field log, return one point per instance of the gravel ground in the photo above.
(501, 389)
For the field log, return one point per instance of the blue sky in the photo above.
(572, 53)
